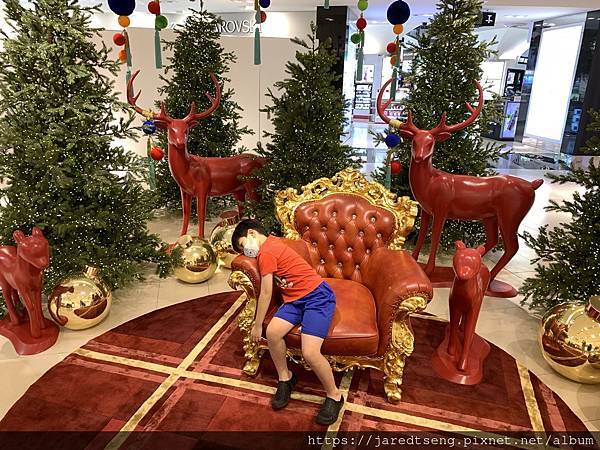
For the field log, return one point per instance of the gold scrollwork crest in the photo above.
(348, 181)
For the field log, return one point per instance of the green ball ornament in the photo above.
(356, 38)
(363, 5)
(161, 22)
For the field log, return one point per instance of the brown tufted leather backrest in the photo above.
(342, 230)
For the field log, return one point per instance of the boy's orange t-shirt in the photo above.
(277, 258)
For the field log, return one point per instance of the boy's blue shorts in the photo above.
(314, 311)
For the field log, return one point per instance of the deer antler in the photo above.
(214, 103)
(161, 118)
(409, 126)
(442, 127)
(130, 97)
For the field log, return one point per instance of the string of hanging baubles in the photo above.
(123, 9)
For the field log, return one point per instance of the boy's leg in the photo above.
(311, 351)
(276, 332)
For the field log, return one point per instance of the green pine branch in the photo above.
(308, 118)
(568, 255)
(60, 168)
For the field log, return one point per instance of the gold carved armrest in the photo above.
(400, 288)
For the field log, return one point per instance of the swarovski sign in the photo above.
(237, 24)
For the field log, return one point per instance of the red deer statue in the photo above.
(197, 176)
(21, 276)
(456, 361)
(501, 202)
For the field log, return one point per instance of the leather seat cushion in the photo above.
(353, 330)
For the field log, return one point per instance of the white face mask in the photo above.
(251, 247)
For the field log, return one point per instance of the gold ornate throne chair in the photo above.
(351, 231)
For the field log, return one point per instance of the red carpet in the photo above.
(175, 376)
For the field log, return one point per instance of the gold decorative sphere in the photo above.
(570, 340)
(199, 260)
(80, 301)
(220, 237)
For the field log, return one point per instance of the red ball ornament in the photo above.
(361, 23)
(157, 153)
(154, 7)
(119, 39)
(392, 47)
(396, 167)
(263, 16)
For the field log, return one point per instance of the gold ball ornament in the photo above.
(569, 338)
(199, 261)
(398, 29)
(80, 301)
(220, 237)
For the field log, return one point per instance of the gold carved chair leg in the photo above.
(401, 346)
(252, 350)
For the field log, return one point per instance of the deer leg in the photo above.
(240, 196)
(436, 233)
(491, 233)
(186, 204)
(9, 295)
(471, 322)
(423, 229)
(252, 190)
(453, 337)
(35, 327)
(201, 207)
(510, 240)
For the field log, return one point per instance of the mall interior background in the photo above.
(545, 67)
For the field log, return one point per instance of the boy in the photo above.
(308, 300)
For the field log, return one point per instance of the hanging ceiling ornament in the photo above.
(398, 14)
(392, 140)
(358, 38)
(153, 153)
(123, 8)
(259, 18)
(160, 23)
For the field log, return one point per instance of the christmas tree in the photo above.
(59, 166)
(447, 59)
(569, 254)
(196, 53)
(308, 118)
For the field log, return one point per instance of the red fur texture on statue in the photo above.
(21, 276)
(196, 176)
(501, 202)
(460, 356)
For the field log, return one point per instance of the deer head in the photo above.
(424, 140)
(467, 261)
(34, 249)
(177, 129)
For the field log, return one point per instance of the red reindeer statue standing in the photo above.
(196, 176)
(21, 275)
(456, 361)
(501, 202)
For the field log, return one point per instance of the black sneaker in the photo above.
(284, 392)
(330, 410)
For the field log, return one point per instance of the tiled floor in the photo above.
(501, 321)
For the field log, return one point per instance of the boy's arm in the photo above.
(264, 299)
